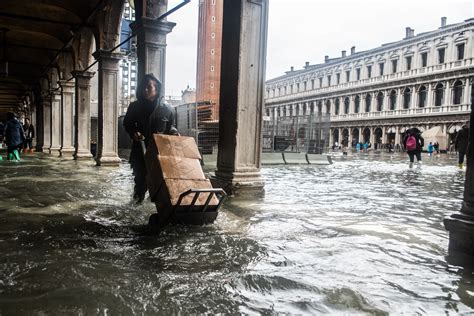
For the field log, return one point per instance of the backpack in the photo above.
(411, 143)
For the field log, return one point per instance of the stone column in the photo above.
(383, 135)
(151, 47)
(82, 126)
(55, 124)
(429, 97)
(448, 98)
(67, 149)
(467, 91)
(461, 225)
(107, 142)
(39, 127)
(397, 135)
(331, 137)
(372, 137)
(360, 134)
(414, 98)
(244, 45)
(46, 124)
(399, 103)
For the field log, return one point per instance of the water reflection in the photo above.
(362, 236)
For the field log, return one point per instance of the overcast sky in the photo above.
(307, 30)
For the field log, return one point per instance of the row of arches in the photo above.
(375, 102)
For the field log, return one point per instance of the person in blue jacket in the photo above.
(14, 136)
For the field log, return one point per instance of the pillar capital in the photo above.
(79, 74)
(107, 60)
(149, 26)
(68, 86)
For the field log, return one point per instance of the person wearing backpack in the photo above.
(413, 143)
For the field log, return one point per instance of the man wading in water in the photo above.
(146, 116)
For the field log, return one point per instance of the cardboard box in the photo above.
(173, 167)
(168, 145)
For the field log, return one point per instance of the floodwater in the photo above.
(361, 236)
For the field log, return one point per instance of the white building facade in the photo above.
(374, 96)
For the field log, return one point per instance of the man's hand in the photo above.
(137, 136)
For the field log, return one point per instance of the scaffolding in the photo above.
(304, 133)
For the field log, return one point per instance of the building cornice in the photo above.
(310, 71)
(375, 87)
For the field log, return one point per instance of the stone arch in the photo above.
(457, 92)
(347, 103)
(368, 102)
(337, 107)
(328, 106)
(345, 137)
(439, 94)
(335, 135)
(82, 49)
(357, 104)
(393, 100)
(378, 134)
(422, 96)
(366, 134)
(355, 136)
(380, 97)
(406, 98)
(107, 27)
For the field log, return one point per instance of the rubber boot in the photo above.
(16, 154)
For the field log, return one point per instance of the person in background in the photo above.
(436, 148)
(146, 116)
(460, 144)
(14, 137)
(413, 143)
(2, 130)
(430, 149)
(29, 131)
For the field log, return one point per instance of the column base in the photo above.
(461, 234)
(239, 184)
(82, 155)
(54, 150)
(67, 152)
(45, 149)
(112, 160)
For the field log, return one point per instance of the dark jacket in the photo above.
(147, 118)
(462, 139)
(420, 141)
(14, 135)
(29, 131)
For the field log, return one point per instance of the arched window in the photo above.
(380, 101)
(439, 94)
(336, 110)
(368, 101)
(346, 105)
(422, 94)
(320, 107)
(457, 92)
(328, 106)
(357, 104)
(393, 99)
(406, 98)
(312, 107)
